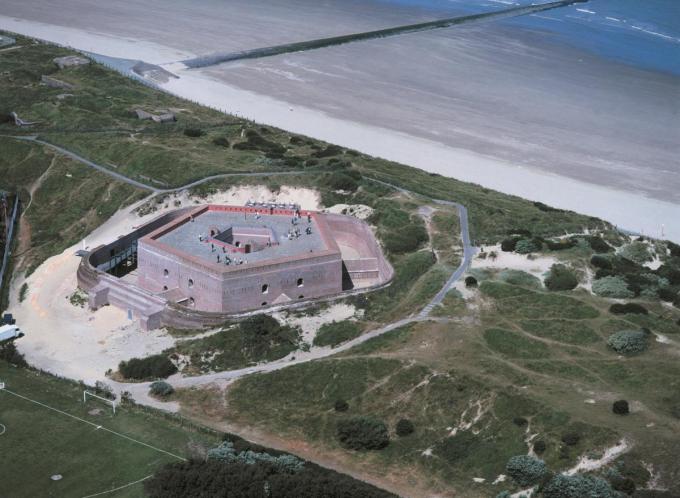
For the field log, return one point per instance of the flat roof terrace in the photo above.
(205, 237)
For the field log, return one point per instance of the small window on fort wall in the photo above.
(191, 283)
(300, 282)
(264, 303)
(265, 288)
(166, 272)
(301, 296)
(191, 301)
(165, 287)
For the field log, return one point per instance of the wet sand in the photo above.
(490, 104)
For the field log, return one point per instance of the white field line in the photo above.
(119, 487)
(94, 425)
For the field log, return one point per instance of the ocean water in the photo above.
(644, 33)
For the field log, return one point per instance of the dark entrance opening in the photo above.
(247, 248)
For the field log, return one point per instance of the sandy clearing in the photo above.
(310, 324)
(587, 464)
(536, 265)
(357, 210)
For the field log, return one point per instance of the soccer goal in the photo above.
(2, 385)
(111, 402)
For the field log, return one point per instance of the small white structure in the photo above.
(70, 61)
(9, 332)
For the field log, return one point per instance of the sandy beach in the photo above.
(589, 134)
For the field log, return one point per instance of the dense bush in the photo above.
(578, 486)
(614, 287)
(526, 470)
(571, 438)
(560, 278)
(226, 452)
(520, 421)
(405, 427)
(340, 180)
(598, 244)
(621, 407)
(330, 150)
(161, 388)
(628, 308)
(668, 294)
(254, 141)
(509, 245)
(470, 281)
(363, 433)
(218, 479)
(221, 141)
(539, 447)
(151, 367)
(341, 405)
(638, 252)
(10, 354)
(334, 333)
(628, 341)
(262, 333)
(407, 239)
(561, 244)
(600, 261)
(527, 246)
(193, 132)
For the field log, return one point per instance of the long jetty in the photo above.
(256, 53)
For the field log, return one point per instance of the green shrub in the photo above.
(614, 287)
(509, 245)
(221, 141)
(561, 244)
(526, 246)
(10, 354)
(600, 261)
(151, 367)
(598, 244)
(334, 333)
(405, 427)
(621, 407)
(340, 180)
(578, 486)
(560, 278)
(330, 150)
(668, 294)
(363, 433)
(193, 132)
(628, 341)
(526, 470)
(161, 388)
(341, 405)
(226, 453)
(23, 292)
(571, 438)
(470, 281)
(407, 239)
(539, 447)
(628, 308)
(638, 252)
(519, 277)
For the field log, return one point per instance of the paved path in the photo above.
(122, 178)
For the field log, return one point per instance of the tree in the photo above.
(571, 438)
(341, 405)
(560, 278)
(152, 367)
(621, 407)
(638, 252)
(539, 447)
(193, 132)
(508, 245)
(405, 427)
(363, 433)
(526, 470)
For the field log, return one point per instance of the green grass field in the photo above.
(48, 430)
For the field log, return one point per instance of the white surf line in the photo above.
(94, 425)
(120, 487)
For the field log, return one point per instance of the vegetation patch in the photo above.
(629, 341)
(514, 344)
(566, 331)
(157, 366)
(363, 433)
(560, 278)
(334, 333)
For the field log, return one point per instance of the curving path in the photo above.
(139, 391)
(144, 186)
